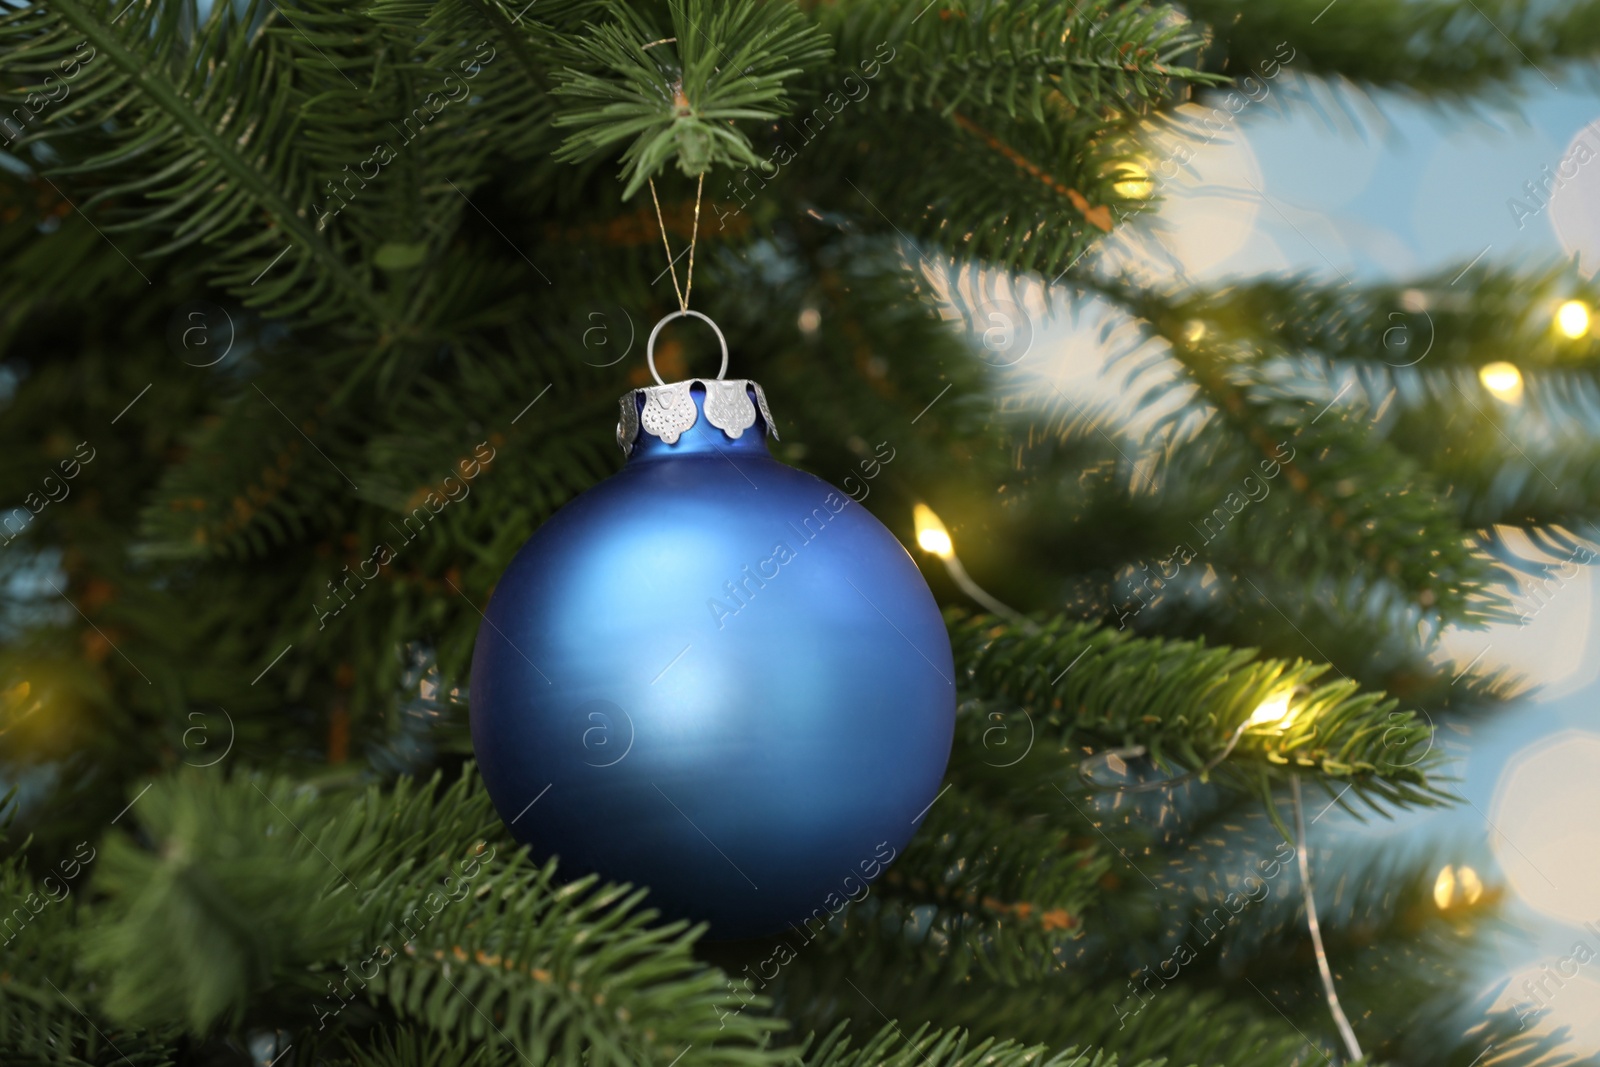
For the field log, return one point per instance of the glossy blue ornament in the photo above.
(716, 676)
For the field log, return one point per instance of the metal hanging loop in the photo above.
(650, 345)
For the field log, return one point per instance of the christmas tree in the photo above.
(273, 270)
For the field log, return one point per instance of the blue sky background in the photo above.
(1420, 187)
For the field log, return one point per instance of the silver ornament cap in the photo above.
(669, 410)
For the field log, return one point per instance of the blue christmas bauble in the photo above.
(715, 676)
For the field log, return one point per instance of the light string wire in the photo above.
(694, 236)
(1085, 770)
(1340, 1022)
(959, 575)
(1089, 764)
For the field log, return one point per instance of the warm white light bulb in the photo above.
(932, 537)
(1444, 887)
(1271, 710)
(1471, 885)
(1134, 183)
(1572, 319)
(1504, 380)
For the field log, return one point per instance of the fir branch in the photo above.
(1018, 59)
(892, 1047)
(214, 160)
(1464, 315)
(1035, 196)
(1178, 1025)
(1181, 701)
(261, 477)
(1533, 463)
(1380, 512)
(673, 90)
(247, 887)
(1437, 49)
(1001, 895)
(510, 96)
(508, 955)
(256, 893)
(411, 1047)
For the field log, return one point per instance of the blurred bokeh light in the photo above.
(1544, 827)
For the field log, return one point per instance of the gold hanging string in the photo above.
(694, 235)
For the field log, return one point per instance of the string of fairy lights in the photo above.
(1573, 320)
(1277, 711)
(1503, 379)
(1455, 886)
